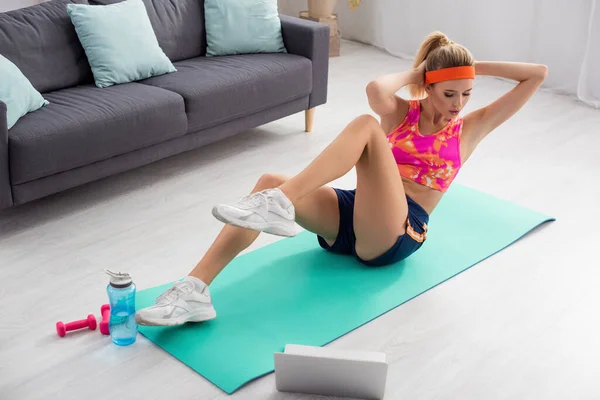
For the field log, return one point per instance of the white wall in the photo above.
(355, 25)
(553, 32)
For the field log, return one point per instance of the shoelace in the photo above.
(255, 199)
(174, 292)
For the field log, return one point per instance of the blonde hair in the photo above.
(439, 52)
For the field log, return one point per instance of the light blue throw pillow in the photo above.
(119, 42)
(242, 27)
(17, 92)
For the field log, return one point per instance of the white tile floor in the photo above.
(522, 325)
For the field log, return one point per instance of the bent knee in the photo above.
(369, 123)
(367, 119)
(269, 181)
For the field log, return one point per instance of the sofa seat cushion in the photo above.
(85, 124)
(221, 89)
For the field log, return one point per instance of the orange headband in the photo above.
(448, 74)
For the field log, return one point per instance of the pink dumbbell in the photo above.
(62, 329)
(105, 311)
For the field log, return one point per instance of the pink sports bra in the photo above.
(431, 160)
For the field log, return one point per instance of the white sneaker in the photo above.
(268, 211)
(183, 302)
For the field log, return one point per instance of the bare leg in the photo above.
(318, 213)
(336, 160)
(380, 206)
(362, 144)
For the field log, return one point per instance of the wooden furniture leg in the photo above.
(309, 116)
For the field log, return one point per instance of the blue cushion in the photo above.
(17, 92)
(119, 42)
(242, 27)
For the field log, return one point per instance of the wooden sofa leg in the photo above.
(309, 116)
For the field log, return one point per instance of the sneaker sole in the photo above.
(190, 317)
(276, 228)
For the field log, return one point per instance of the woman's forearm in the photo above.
(388, 85)
(511, 70)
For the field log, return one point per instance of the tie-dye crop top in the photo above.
(431, 160)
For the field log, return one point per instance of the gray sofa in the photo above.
(87, 133)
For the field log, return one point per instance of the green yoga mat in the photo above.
(292, 291)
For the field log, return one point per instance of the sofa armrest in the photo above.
(5, 190)
(311, 40)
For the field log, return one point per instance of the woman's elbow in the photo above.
(373, 89)
(541, 72)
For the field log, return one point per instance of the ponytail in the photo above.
(440, 52)
(432, 42)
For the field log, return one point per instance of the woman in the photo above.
(404, 165)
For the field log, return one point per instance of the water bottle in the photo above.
(121, 294)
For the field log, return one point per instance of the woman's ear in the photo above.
(428, 89)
